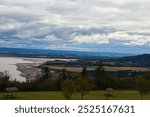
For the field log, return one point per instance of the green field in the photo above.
(93, 95)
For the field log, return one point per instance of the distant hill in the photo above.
(55, 53)
(109, 59)
(140, 60)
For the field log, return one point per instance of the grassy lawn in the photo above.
(93, 95)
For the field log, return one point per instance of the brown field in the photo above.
(69, 69)
(126, 68)
(79, 69)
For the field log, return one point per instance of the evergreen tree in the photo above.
(46, 73)
(64, 74)
(84, 72)
(100, 76)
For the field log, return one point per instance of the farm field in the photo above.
(107, 68)
(93, 95)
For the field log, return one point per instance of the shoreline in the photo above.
(29, 71)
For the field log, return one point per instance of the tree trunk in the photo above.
(141, 96)
(82, 95)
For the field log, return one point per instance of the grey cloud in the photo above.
(56, 22)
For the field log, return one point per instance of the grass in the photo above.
(93, 95)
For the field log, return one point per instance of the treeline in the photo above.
(99, 81)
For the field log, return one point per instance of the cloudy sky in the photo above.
(86, 25)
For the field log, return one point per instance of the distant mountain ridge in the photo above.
(110, 59)
(139, 60)
(55, 53)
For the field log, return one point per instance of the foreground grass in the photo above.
(93, 95)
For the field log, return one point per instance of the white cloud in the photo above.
(130, 39)
(95, 38)
(51, 37)
(117, 37)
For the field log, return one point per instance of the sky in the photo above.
(121, 26)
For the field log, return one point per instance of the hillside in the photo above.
(139, 61)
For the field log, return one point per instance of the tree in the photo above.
(100, 76)
(64, 74)
(4, 80)
(100, 71)
(142, 86)
(82, 86)
(84, 72)
(68, 88)
(46, 73)
(109, 93)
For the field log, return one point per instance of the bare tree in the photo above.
(82, 86)
(68, 88)
(142, 86)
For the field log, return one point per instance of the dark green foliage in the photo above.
(64, 74)
(46, 73)
(4, 80)
(40, 85)
(100, 77)
(84, 72)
